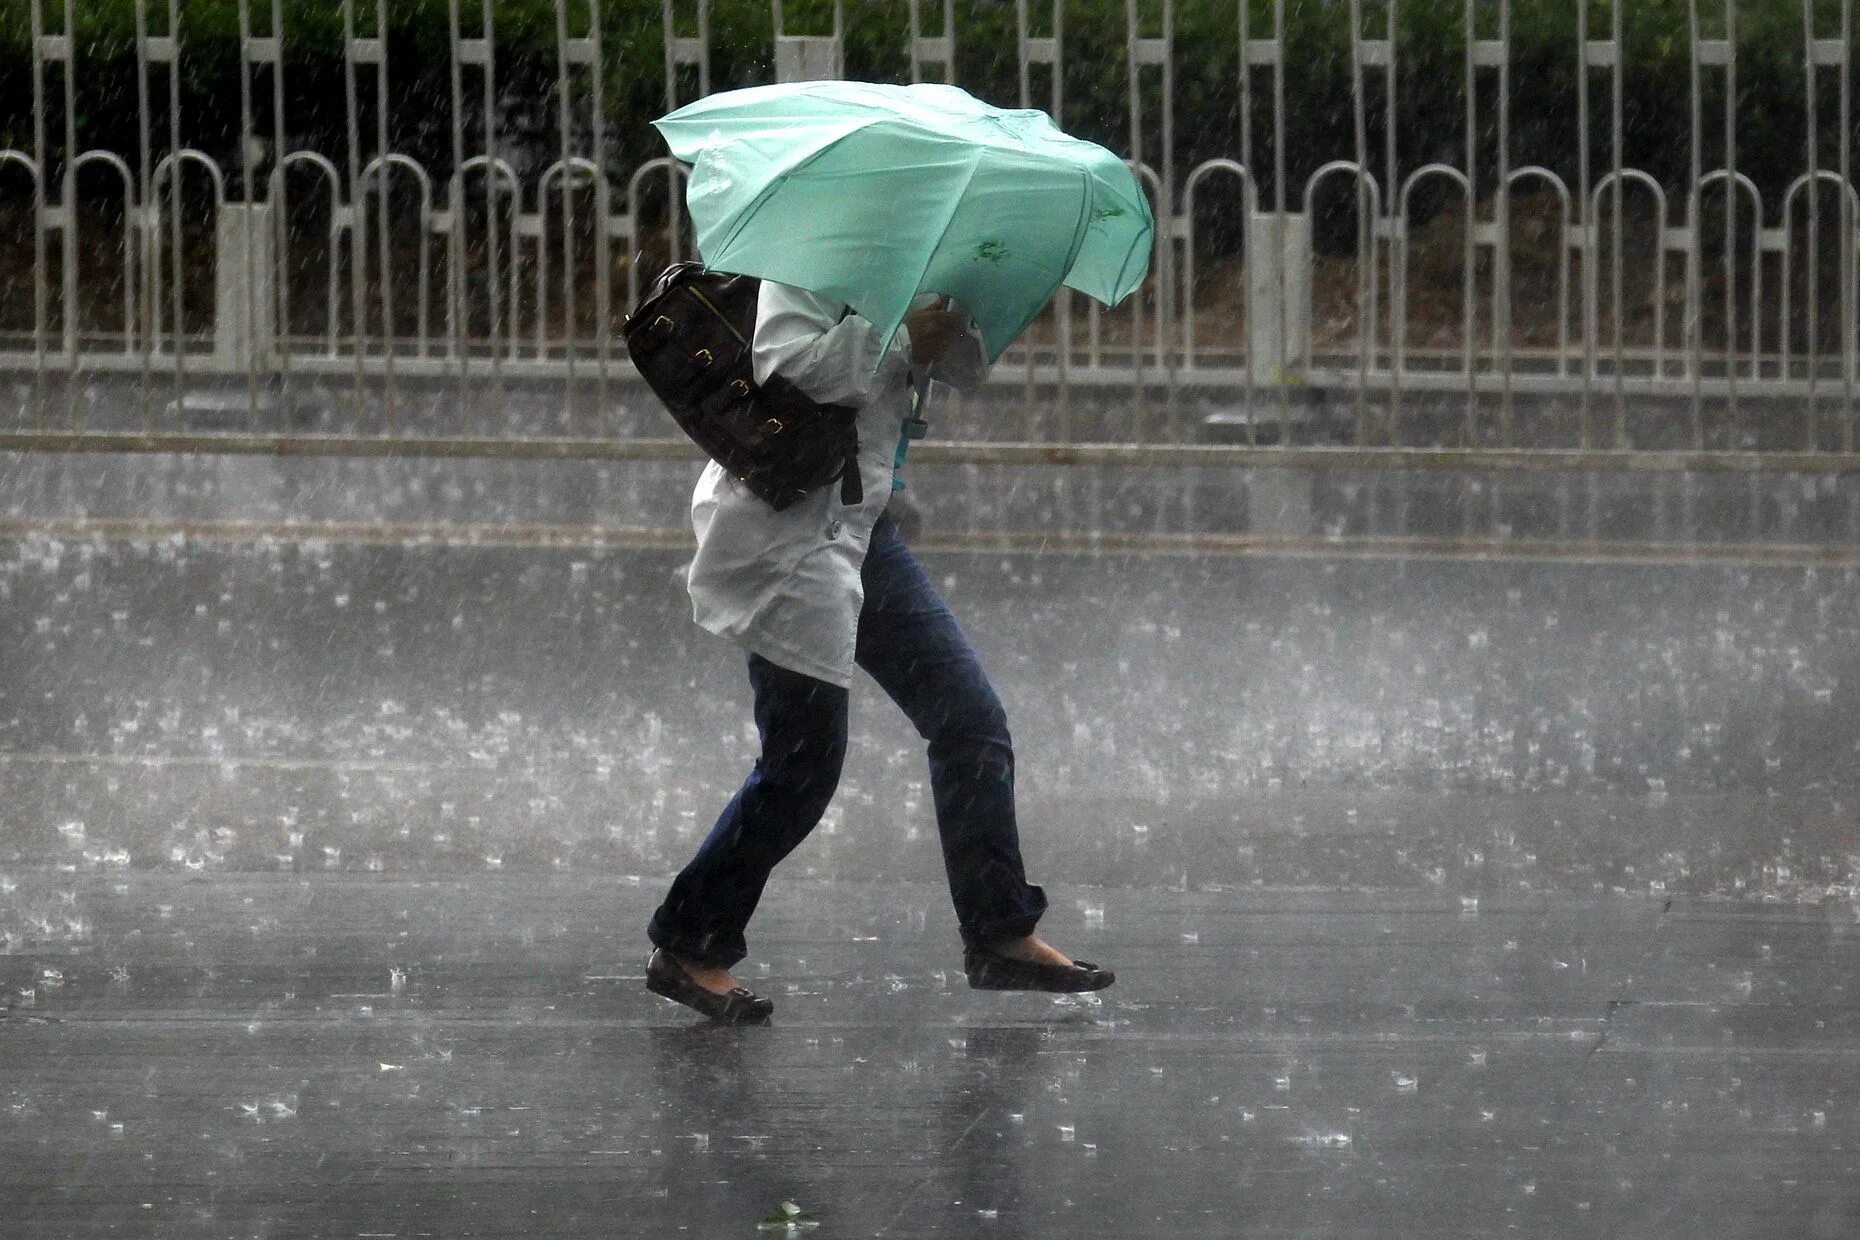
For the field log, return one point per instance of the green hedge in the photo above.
(1429, 122)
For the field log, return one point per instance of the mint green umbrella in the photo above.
(875, 194)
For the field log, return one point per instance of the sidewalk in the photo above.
(351, 1054)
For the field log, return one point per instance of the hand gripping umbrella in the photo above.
(875, 194)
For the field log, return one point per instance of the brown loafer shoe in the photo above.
(665, 976)
(992, 971)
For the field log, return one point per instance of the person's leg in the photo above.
(802, 722)
(912, 646)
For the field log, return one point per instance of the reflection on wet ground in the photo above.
(1448, 897)
(334, 1054)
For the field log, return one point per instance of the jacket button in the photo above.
(833, 530)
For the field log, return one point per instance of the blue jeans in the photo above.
(911, 645)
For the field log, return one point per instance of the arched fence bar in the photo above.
(1496, 298)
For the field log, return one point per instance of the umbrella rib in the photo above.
(1137, 244)
(942, 235)
(955, 204)
(748, 213)
(1146, 237)
(1083, 226)
(1078, 243)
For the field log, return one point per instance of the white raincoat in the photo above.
(785, 585)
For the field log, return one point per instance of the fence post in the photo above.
(806, 58)
(244, 320)
(1278, 302)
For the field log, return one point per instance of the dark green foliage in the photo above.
(1318, 104)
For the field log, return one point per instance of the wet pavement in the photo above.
(1504, 894)
(357, 1055)
(307, 702)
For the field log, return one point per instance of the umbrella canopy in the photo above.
(876, 194)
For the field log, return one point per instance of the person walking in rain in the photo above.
(809, 592)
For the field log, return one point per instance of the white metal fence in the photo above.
(159, 271)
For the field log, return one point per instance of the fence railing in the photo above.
(1507, 299)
